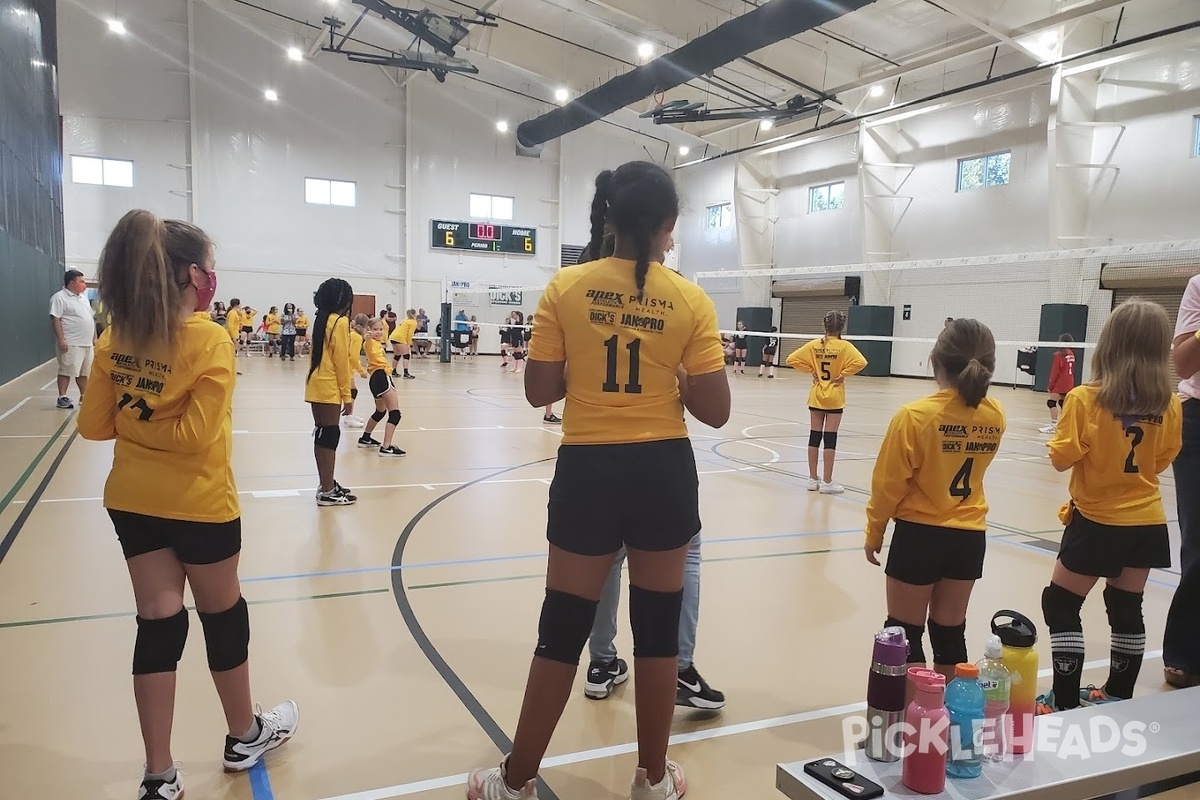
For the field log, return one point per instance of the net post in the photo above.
(444, 340)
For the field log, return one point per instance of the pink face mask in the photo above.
(205, 295)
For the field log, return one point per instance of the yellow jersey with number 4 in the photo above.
(1115, 462)
(931, 465)
(830, 361)
(622, 351)
(171, 415)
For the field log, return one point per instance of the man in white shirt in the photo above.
(75, 332)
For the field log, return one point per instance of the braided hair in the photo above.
(835, 323)
(334, 296)
(633, 201)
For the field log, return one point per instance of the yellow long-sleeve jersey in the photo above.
(829, 360)
(356, 348)
(330, 382)
(931, 465)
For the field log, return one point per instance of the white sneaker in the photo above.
(355, 422)
(1051, 428)
(488, 784)
(155, 789)
(671, 787)
(813, 485)
(276, 727)
(832, 488)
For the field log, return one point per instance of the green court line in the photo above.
(474, 581)
(8, 498)
(28, 623)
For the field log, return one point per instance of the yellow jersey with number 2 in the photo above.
(1115, 462)
(931, 464)
(622, 351)
(828, 360)
(171, 415)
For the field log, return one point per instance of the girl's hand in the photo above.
(347, 408)
(838, 381)
(816, 380)
(871, 553)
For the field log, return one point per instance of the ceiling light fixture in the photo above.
(562, 95)
(117, 27)
(684, 149)
(766, 125)
(645, 50)
(271, 95)
(877, 90)
(295, 53)
(502, 126)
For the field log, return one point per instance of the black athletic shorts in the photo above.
(827, 410)
(768, 353)
(302, 331)
(922, 555)
(739, 343)
(247, 329)
(192, 542)
(380, 382)
(1102, 551)
(645, 495)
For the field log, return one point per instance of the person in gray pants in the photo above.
(606, 671)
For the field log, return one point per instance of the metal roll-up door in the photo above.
(1158, 283)
(807, 314)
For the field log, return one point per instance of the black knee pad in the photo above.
(407, 357)
(1124, 610)
(948, 642)
(227, 636)
(159, 644)
(814, 438)
(1051, 403)
(564, 627)
(830, 440)
(654, 622)
(394, 417)
(1061, 609)
(327, 436)
(915, 635)
(518, 356)
(1060, 402)
(378, 416)
(353, 392)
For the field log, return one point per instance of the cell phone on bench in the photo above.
(843, 780)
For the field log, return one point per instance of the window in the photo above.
(485, 206)
(102, 171)
(720, 216)
(321, 192)
(1196, 136)
(989, 170)
(828, 197)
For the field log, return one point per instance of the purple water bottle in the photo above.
(886, 686)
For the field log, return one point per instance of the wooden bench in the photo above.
(1171, 758)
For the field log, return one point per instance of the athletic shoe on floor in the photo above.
(1180, 679)
(65, 403)
(832, 488)
(813, 485)
(488, 784)
(355, 422)
(1091, 696)
(603, 679)
(552, 420)
(335, 498)
(158, 789)
(366, 440)
(275, 727)
(693, 691)
(671, 787)
(1045, 704)
(410, 377)
(391, 452)
(1048, 429)
(337, 487)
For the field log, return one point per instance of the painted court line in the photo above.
(14, 408)
(416, 787)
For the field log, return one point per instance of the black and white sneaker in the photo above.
(276, 727)
(366, 440)
(335, 498)
(391, 452)
(603, 679)
(693, 691)
(553, 419)
(158, 789)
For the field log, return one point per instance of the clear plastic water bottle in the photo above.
(996, 681)
(966, 703)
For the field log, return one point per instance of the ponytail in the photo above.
(333, 297)
(641, 240)
(965, 355)
(632, 204)
(599, 216)
(973, 383)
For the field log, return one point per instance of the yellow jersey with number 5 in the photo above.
(1115, 462)
(171, 415)
(931, 465)
(622, 351)
(830, 361)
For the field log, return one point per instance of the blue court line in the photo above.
(522, 557)
(260, 782)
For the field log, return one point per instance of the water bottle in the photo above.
(886, 686)
(966, 703)
(926, 734)
(994, 678)
(1018, 636)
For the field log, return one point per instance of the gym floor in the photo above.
(403, 626)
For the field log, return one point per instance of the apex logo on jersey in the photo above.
(953, 431)
(606, 299)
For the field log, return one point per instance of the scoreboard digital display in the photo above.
(484, 237)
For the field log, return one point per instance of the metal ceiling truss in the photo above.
(443, 34)
(678, 112)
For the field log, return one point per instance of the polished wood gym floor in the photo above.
(403, 626)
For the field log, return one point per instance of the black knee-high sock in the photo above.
(1128, 640)
(1061, 609)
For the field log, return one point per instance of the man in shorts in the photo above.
(75, 333)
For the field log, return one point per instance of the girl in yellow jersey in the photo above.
(630, 344)
(830, 360)
(402, 340)
(1116, 434)
(163, 390)
(329, 385)
(233, 323)
(387, 403)
(358, 329)
(302, 330)
(274, 329)
(929, 479)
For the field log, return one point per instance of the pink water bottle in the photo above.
(927, 733)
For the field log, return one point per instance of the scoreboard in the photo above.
(484, 237)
